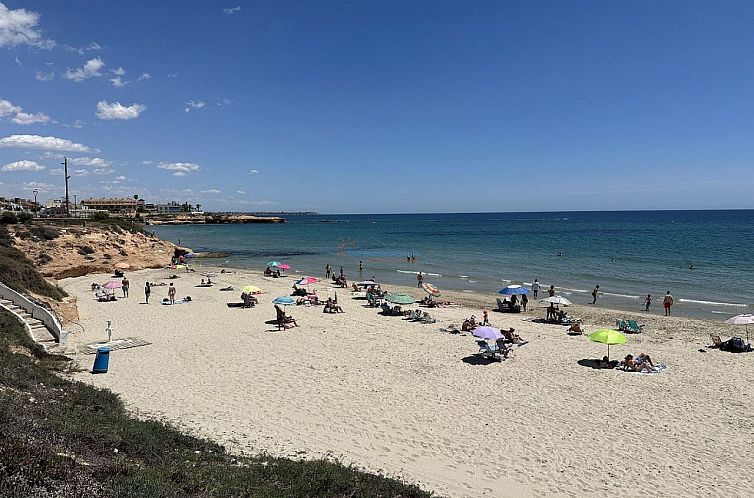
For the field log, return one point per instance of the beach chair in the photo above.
(489, 351)
(633, 327)
(620, 325)
(502, 304)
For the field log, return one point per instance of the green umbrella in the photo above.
(399, 299)
(608, 336)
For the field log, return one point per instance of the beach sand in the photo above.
(404, 399)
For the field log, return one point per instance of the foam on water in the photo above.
(712, 303)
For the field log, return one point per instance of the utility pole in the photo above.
(67, 200)
(75, 206)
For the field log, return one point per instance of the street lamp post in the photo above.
(36, 207)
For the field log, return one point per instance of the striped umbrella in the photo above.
(431, 289)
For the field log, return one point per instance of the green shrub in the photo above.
(24, 217)
(19, 273)
(8, 218)
(99, 216)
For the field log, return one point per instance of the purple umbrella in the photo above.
(487, 333)
(113, 284)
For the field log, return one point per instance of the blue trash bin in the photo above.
(101, 360)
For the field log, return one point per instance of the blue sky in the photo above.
(382, 106)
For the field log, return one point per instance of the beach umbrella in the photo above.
(273, 263)
(112, 284)
(487, 333)
(431, 290)
(745, 320)
(307, 281)
(284, 267)
(399, 299)
(122, 266)
(251, 289)
(513, 290)
(284, 300)
(556, 300)
(608, 336)
(366, 283)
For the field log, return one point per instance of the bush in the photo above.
(24, 217)
(99, 216)
(8, 218)
(85, 250)
(19, 273)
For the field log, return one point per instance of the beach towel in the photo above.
(657, 369)
(166, 302)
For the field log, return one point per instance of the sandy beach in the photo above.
(404, 399)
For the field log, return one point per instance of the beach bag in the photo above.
(737, 345)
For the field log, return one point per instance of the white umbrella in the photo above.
(556, 300)
(745, 319)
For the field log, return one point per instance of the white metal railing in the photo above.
(36, 311)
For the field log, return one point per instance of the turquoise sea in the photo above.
(629, 254)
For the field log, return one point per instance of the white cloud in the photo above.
(172, 75)
(20, 27)
(193, 104)
(103, 171)
(18, 62)
(144, 76)
(23, 166)
(97, 162)
(91, 69)
(7, 107)
(211, 191)
(179, 169)
(119, 71)
(118, 111)
(43, 76)
(120, 178)
(80, 172)
(24, 118)
(240, 192)
(78, 124)
(118, 82)
(43, 143)
(254, 172)
(224, 101)
(147, 162)
(57, 171)
(82, 50)
(232, 10)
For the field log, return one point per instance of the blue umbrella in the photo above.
(284, 300)
(273, 263)
(512, 290)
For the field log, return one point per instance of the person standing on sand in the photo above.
(341, 270)
(361, 267)
(171, 293)
(147, 291)
(419, 279)
(328, 271)
(535, 288)
(667, 302)
(647, 302)
(594, 293)
(551, 291)
(125, 283)
(524, 302)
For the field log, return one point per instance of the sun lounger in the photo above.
(492, 351)
(629, 326)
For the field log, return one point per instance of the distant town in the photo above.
(136, 208)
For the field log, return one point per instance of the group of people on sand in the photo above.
(640, 363)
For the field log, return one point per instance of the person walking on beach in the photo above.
(535, 288)
(147, 291)
(647, 302)
(171, 293)
(125, 284)
(341, 270)
(328, 271)
(361, 267)
(419, 279)
(524, 302)
(667, 302)
(594, 293)
(551, 291)
(485, 317)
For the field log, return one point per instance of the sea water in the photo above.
(703, 257)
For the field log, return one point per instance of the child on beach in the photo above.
(485, 317)
(647, 302)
